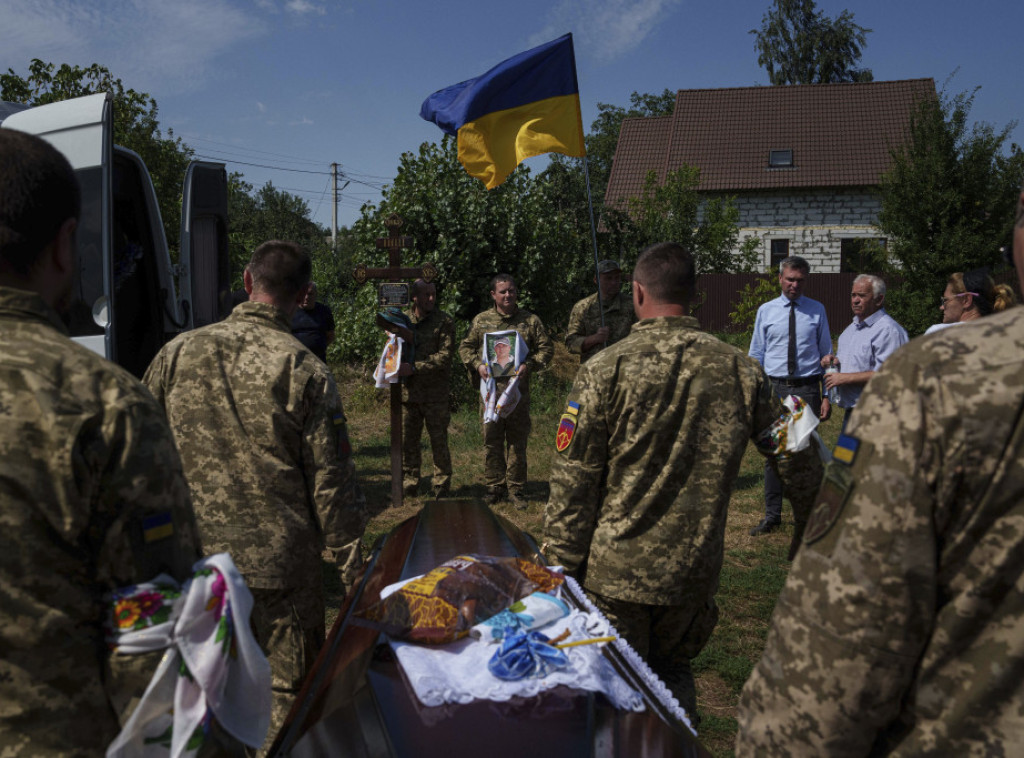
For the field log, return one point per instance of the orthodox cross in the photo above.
(394, 292)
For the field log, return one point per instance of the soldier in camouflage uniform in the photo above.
(426, 390)
(650, 445)
(586, 335)
(262, 435)
(900, 630)
(514, 430)
(92, 495)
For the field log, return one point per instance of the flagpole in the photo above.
(593, 237)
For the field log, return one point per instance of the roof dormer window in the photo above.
(780, 159)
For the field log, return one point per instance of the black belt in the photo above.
(796, 381)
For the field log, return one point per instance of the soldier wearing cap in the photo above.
(426, 390)
(92, 494)
(263, 438)
(588, 333)
(900, 630)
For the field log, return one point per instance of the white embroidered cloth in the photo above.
(386, 372)
(206, 630)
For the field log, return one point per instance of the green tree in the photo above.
(136, 126)
(470, 234)
(797, 44)
(603, 138)
(947, 204)
(706, 225)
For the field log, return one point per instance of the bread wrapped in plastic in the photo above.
(445, 603)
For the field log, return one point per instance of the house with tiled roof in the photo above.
(803, 162)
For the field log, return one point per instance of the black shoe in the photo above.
(411, 491)
(442, 492)
(765, 527)
(518, 500)
(494, 496)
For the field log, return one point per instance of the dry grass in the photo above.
(753, 572)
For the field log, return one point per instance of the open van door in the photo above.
(82, 129)
(205, 281)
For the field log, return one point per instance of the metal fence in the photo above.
(718, 295)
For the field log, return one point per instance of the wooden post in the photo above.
(394, 243)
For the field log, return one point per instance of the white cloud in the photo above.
(607, 29)
(151, 46)
(302, 7)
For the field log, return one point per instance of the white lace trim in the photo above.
(638, 664)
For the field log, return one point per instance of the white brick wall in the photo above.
(814, 222)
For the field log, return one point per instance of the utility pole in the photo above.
(334, 212)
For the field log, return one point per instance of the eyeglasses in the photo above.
(944, 300)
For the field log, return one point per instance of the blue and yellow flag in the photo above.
(525, 106)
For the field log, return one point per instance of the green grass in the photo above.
(754, 569)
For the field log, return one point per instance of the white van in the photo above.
(129, 299)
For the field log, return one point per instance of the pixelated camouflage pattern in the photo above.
(901, 628)
(85, 457)
(263, 439)
(425, 399)
(585, 320)
(515, 429)
(434, 336)
(639, 497)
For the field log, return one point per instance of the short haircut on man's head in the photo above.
(876, 282)
(502, 278)
(667, 272)
(280, 269)
(38, 193)
(795, 262)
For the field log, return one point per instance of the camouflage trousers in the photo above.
(511, 434)
(436, 417)
(289, 626)
(668, 637)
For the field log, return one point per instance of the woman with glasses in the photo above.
(970, 296)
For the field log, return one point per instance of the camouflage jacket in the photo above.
(529, 327)
(262, 435)
(92, 498)
(586, 320)
(899, 630)
(658, 424)
(435, 347)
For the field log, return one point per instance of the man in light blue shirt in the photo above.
(791, 338)
(872, 337)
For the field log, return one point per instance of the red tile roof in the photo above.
(840, 135)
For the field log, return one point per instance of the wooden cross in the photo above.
(397, 295)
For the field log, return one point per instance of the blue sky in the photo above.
(295, 85)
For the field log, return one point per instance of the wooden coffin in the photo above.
(356, 702)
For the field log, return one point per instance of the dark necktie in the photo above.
(792, 338)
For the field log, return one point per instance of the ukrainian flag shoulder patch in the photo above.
(157, 526)
(846, 449)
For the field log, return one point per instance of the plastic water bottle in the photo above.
(833, 392)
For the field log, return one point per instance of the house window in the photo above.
(779, 251)
(780, 159)
(856, 254)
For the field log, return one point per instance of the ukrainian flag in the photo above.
(525, 106)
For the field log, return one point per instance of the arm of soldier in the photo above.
(144, 514)
(575, 335)
(858, 606)
(577, 478)
(542, 349)
(442, 359)
(469, 348)
(330, 326)
(155, 378)
(340, 506)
